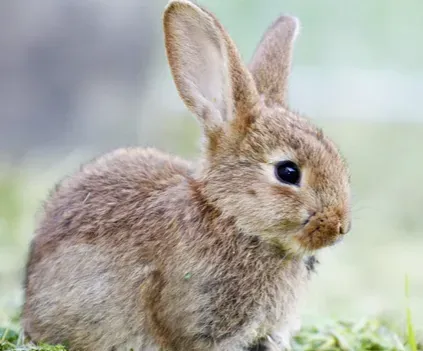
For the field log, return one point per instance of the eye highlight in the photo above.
(288, 172)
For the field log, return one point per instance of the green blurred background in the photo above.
(79, 78)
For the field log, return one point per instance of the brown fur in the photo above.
(141, 249)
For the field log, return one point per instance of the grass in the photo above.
(362, 335)
(371, 335)
(410, 328)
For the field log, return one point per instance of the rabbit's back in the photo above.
(108, 196)
(82, 270)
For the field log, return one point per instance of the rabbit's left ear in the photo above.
(271, 63)
(206, 66)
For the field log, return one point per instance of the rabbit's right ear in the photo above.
(207, 70)
(271, 63)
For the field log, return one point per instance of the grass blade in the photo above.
(411, 337)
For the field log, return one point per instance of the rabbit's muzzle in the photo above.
(323, 229)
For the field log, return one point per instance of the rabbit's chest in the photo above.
(276, 309)
(248, 310)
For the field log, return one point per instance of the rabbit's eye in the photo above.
(288, 172)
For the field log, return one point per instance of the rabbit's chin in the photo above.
(305, 243)
(308, 243)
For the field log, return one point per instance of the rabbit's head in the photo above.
(270, 169)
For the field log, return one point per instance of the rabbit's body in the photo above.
(146, 251)
(116, 214)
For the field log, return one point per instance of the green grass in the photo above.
(411, 337)
(369, 335)
(11, 340)
(362, 335)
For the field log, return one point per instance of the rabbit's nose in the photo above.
(344, 228)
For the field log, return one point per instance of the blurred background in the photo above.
(81, 77)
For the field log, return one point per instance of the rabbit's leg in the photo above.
(79, 297)
(278, 342)
(280, 339)
(260, 346)
(136, 343)
(272, 343)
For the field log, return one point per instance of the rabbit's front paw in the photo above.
(278, 342)
(260, 346)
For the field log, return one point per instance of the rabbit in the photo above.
(142, 250)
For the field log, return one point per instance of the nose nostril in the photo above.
(310, 216)
(341, 229)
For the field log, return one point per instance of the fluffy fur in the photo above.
(143, 250)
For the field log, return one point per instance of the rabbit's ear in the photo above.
(271, 63)
(206, 67)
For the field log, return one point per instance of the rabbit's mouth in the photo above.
(321, 230)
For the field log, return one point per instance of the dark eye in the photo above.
(288, 172)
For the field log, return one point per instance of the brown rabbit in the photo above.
(147, 251)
